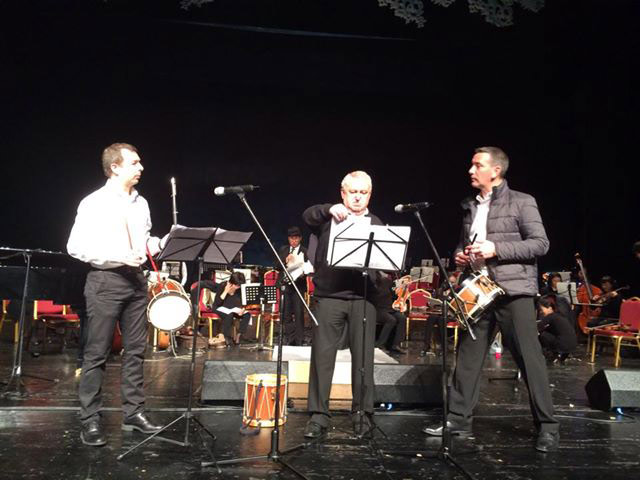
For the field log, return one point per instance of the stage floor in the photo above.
(39, 435)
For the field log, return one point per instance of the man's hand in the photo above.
(339, 212)
(290, 258)
(482, 249)
(462, 260)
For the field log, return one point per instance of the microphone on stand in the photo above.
(411, 207)
(235, 189)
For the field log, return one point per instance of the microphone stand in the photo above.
(444, 454)
(275, 454)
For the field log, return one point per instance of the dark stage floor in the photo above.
(39, 435)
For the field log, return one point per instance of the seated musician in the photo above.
(557, 334)
(392, 320)
(228, 305)
(610, 300)
(561, 304)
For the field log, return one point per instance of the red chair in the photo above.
(418, 310)
(626, 333)
(53, 318)
(310, 289)
(270, 279)
(418, 305)
(205, 314)
(6, 318)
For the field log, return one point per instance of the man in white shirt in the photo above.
(294, 255)
(502, 237)
(111, 233)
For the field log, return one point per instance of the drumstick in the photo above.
(472, 257)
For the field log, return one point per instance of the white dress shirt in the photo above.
(478, 230)
(111, 226)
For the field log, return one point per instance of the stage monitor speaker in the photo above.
(408, 384)
(609, 389)
(224, 380)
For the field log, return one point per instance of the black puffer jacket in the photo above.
(515, 226)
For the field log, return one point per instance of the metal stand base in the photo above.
(187, 416)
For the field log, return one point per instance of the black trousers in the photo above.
(114, 298)
(227, 324)
(516, 318)
(293, 316)
(334, 315)
(393, 323)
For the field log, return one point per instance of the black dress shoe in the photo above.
(314, 430)
(140, 422)
(455, 428)
(548, 442)
(92, 434)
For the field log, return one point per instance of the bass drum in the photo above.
(169, 308)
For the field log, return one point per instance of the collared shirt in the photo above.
(478, 229)
(110, 226)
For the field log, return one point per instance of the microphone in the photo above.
(235, 189)
(411, 207)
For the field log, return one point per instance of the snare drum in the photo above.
(169, 307)
(260, 400)
(478, 292)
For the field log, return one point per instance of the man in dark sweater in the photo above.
(228, 305)
(294, 255)
(509, 237)
(339, 305)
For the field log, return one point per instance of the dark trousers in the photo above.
(334, 315)
(393, 323)
(516, 318)
(114, 298)
(293, 316)
(227, 324)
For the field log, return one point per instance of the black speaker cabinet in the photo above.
(609, 389)
(408, 384)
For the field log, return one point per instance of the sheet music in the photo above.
(226, 310)
(299, 267)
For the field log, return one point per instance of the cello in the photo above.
(585, 295)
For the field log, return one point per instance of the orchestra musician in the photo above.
(557, 334)
(111, 233)
(509, 236)
(339, 305)
(562, 305)
(392, 321)
(294, 255)
(611, 302)
(228, 305)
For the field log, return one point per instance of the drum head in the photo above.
(169, 311)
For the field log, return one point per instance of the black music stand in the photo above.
(275, 454)
(198, 245)
(14, 386)
(253, 293)
(360, 246)
(445, 452)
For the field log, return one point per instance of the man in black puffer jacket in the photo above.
(509, 237)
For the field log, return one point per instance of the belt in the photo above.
(122, 270)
